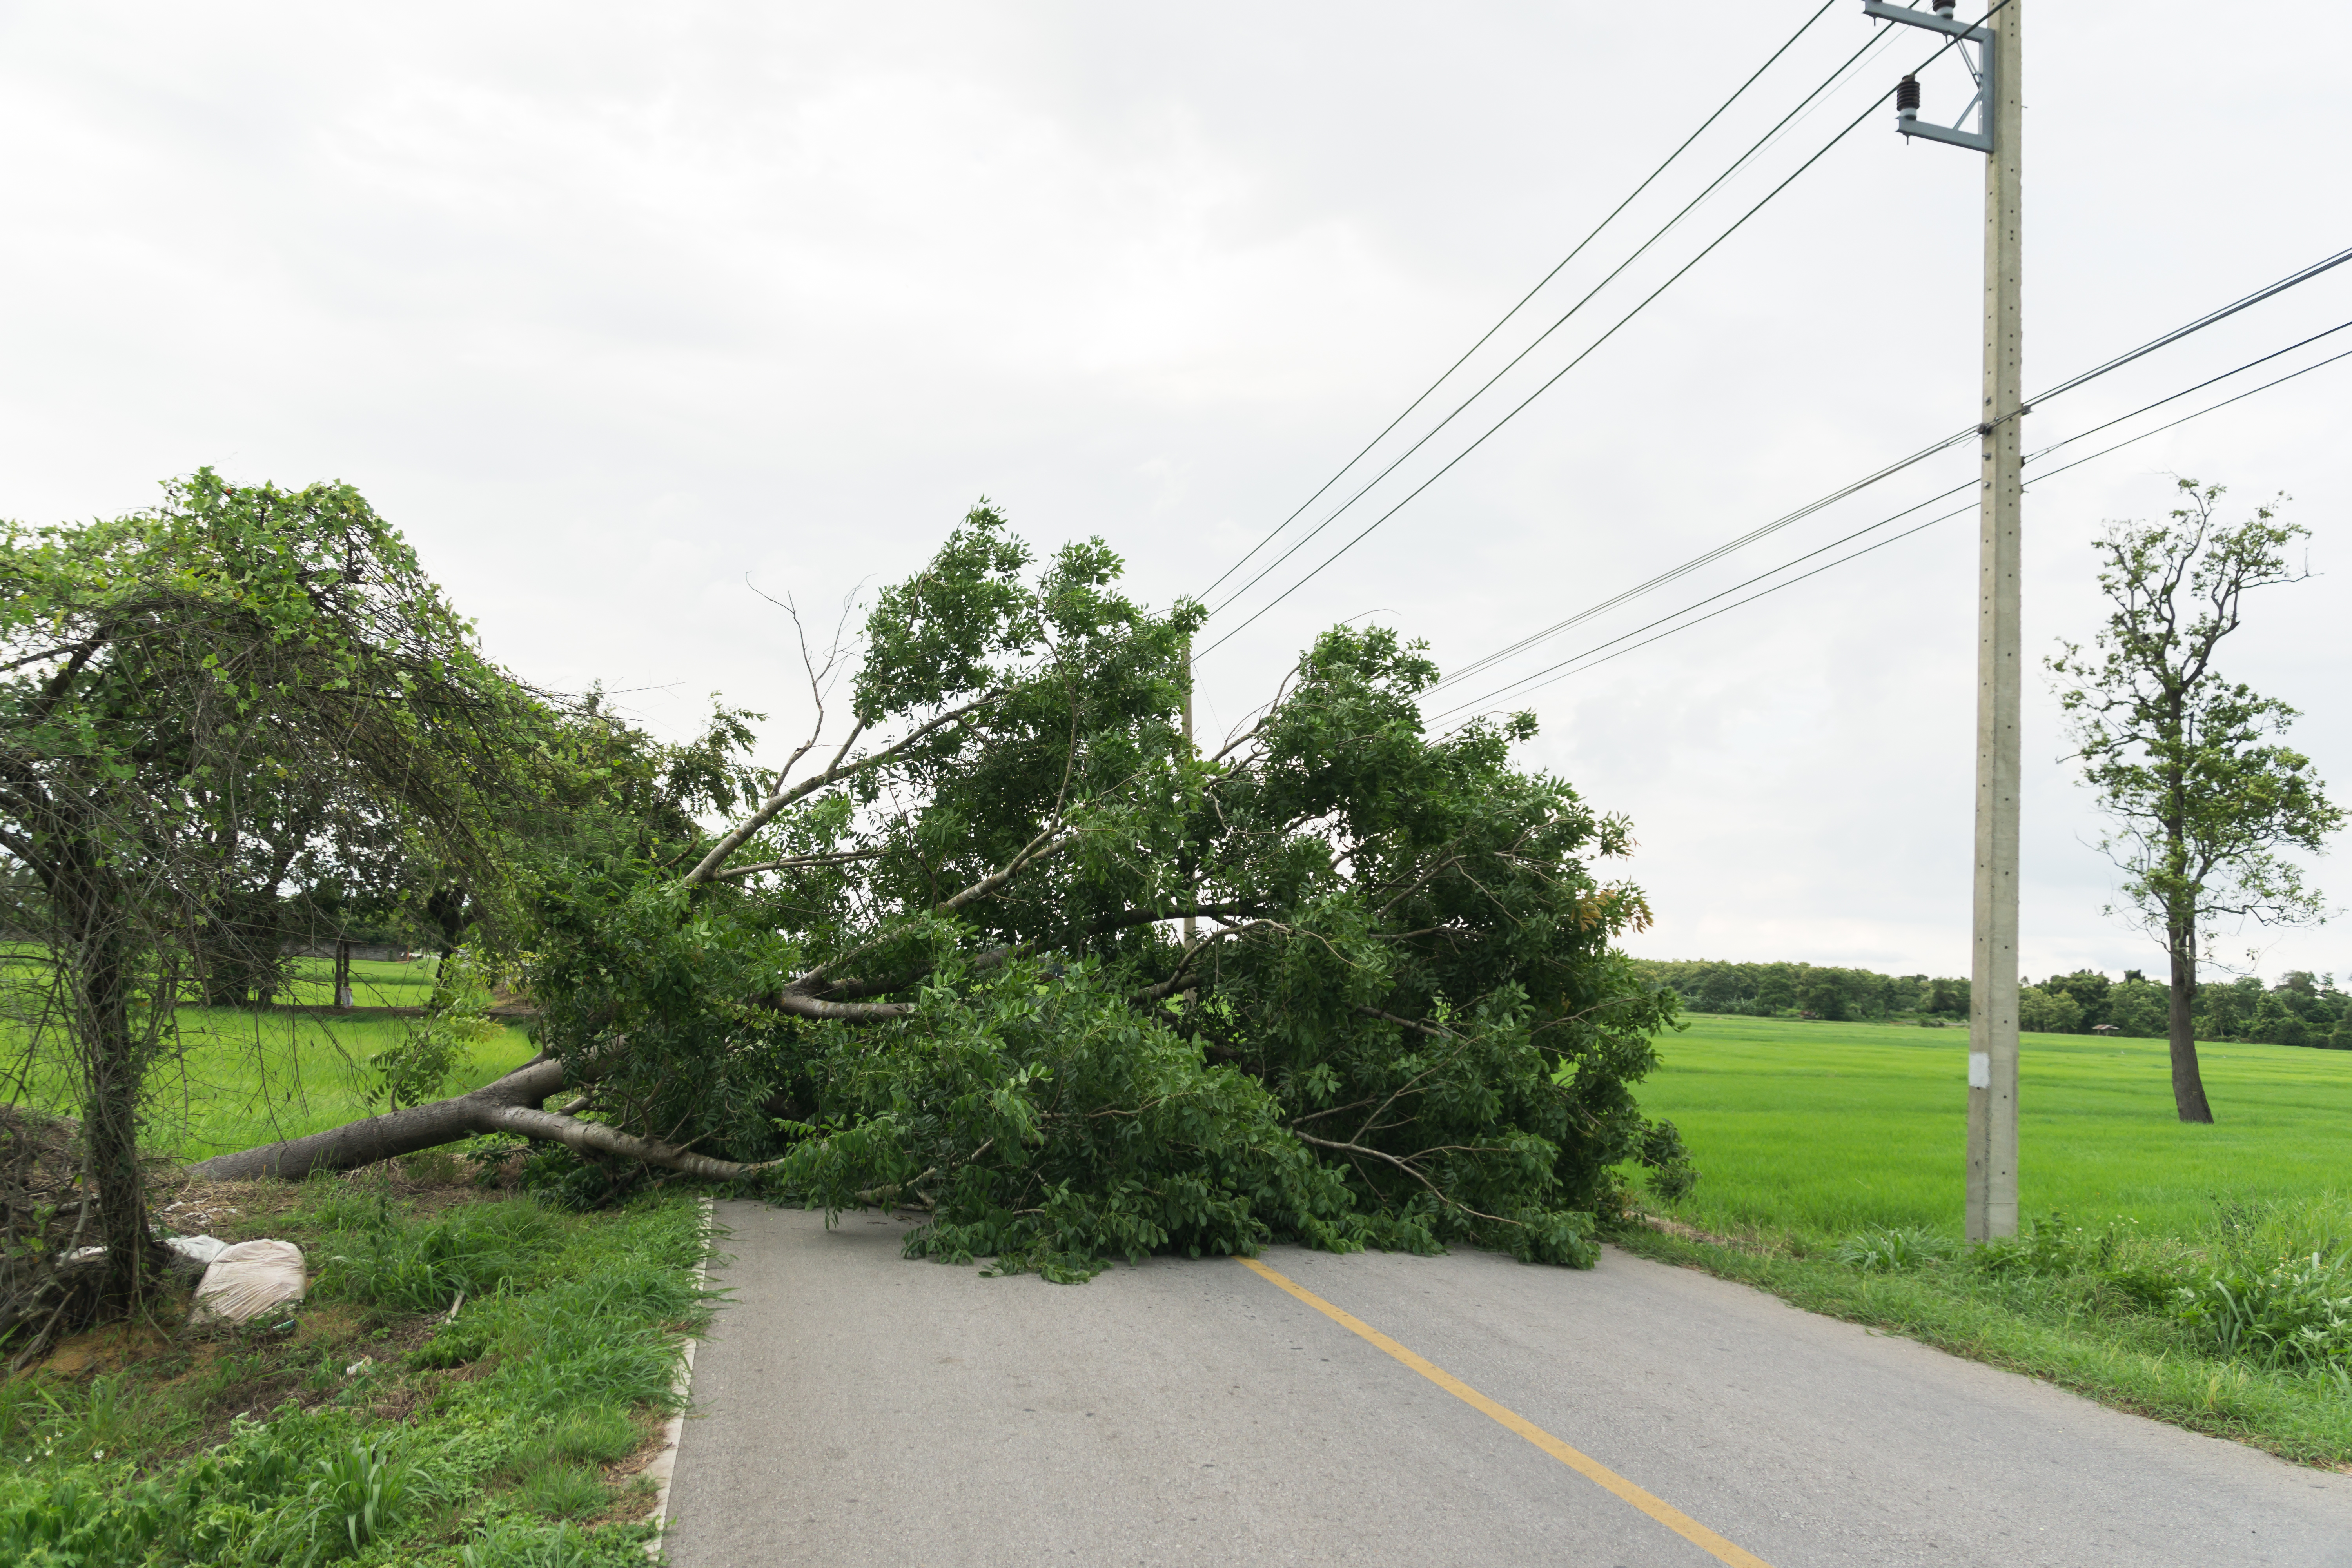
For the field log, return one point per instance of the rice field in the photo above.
(1816, 1130)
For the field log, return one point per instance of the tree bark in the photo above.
(509, 1105)
(95, 905)
(2188, 1083)
(391, 1135)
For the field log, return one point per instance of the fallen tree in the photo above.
(1012, 953)
(512, 1104)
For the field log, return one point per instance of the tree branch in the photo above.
(741, 834)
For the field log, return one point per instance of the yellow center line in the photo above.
(1592, 1469)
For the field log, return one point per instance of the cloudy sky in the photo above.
(621, 311)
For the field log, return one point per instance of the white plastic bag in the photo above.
(196, 1251)
(247, 1279)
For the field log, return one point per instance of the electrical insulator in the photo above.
(1944, 9)
(1906, 99)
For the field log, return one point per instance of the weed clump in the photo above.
(339, 1444)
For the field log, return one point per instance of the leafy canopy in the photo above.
(948, 968)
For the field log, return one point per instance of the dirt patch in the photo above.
(1676, 1227)
(106, 1349)
(333, 1324)
(234, 1211)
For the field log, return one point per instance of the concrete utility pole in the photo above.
(1993, 990)
(1192, 750)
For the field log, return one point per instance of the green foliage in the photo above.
(2177, 752)
(2048, 1012)
(2139, 1009)
(1056, 1127)
(522, 1541)
(71, 1524)
(1826, 991)
(197, 703)
(562, 1491)
(2186, 763)
(363, 1486)
(951, 972)
(2301, 1009)
(594, 1435)
(475, 1250)
(1890, 1249)
(456, 1021)
(2296, 1313)
(2090, 991)
(572, 1351)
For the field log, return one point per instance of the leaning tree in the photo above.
(998, 944)
(180, 691)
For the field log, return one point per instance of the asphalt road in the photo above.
(853, 1407)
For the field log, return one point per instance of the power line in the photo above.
(1575, 664)
(1736, 164)
(2201, 323)
(2292, 280)
(2185, 418)
(1579, 250)
(1521, 406)
(1488, 661)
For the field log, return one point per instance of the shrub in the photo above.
(358, 1493)
(1885, 1249)
(563, 1491)
(475, 1250)
(2292, 1315)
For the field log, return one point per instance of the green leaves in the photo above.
(2183, 759)
(958, 978)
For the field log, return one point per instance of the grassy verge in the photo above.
(2074, 1328)
(2198, 1275)
(369, 1425)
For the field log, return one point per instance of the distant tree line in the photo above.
(2301, 1009)
(1799, 989)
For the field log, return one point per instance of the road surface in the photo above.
(853, 1407)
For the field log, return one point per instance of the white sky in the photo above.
(614, 308)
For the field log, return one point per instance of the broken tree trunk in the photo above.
(509, 1105)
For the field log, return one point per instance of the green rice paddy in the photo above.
(1815, 1130)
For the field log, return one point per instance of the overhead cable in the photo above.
(1576, 665)
(1484, 387)
(1577, 250)
(2301, 276)
(1519, 407)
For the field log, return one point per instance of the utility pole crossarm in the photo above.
(1985, 69)
(1935, 21)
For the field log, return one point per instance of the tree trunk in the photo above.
(509, 1105)
(389, 1136)
(111, 1072)
(2188, 1083)
(342, 974)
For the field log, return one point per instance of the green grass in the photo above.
(242, 1077)
(361, 1426)
(1818, 1129)
(2189, 1260)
